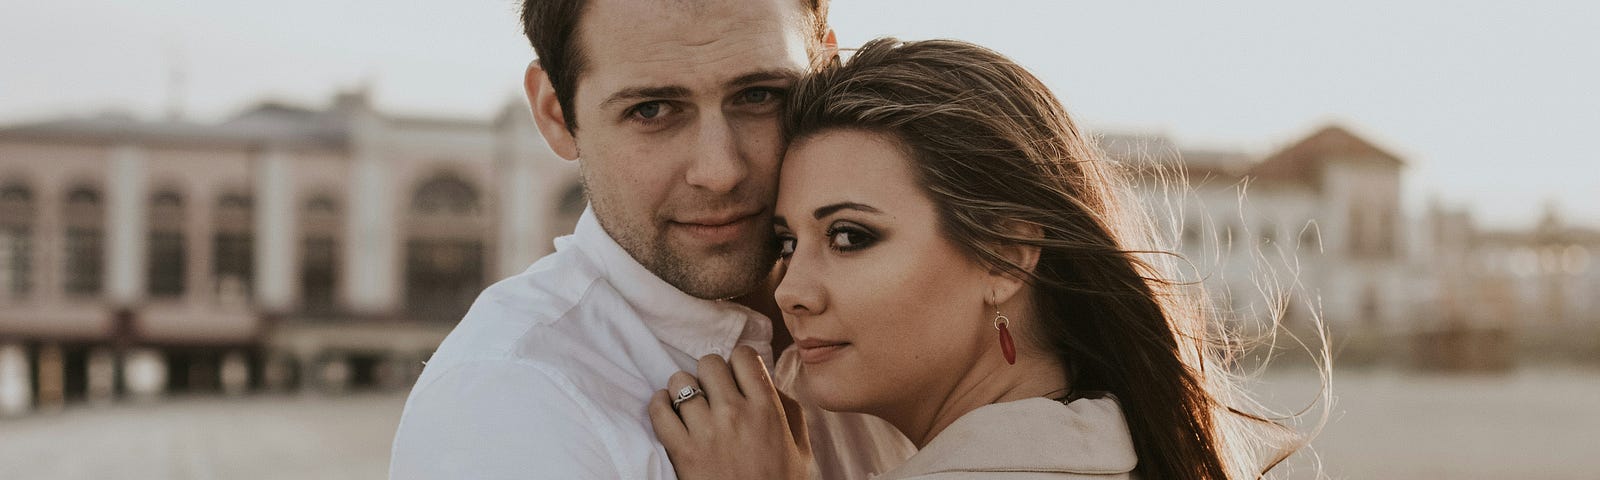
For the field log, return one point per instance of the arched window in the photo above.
(168, 255)
(319, 255)
(16, 239)
(233, 248)
(84, 245)
(445, 248)
(445, 195)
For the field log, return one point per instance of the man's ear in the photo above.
(1003, 284)
(547, 114)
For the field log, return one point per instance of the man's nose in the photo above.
(717, 164)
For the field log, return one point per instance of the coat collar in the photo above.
(1086, 437)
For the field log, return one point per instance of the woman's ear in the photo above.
(547, 114)
(1003, 283)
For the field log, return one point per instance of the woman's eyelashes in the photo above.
(785, 244)
(841, 237)
(850, 237)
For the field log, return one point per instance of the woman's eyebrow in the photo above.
(835, 208)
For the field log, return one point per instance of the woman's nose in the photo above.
(800, 292)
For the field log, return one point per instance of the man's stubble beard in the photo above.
(728, 272)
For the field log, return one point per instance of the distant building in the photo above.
(293, 248)
(283, 247)
(1316, 227)
(1543, 278)
(1319, 223)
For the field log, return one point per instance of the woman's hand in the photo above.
(740, 428)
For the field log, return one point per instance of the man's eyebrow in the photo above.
(834, 208)
(631, 94)
(765, 76)
(780, 221)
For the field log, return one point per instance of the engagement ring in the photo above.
(684, 394)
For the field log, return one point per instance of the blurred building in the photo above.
(283, 248)
(1316, 228)
(1539, 288)
(291, 248)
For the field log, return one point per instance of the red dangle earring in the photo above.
(1002, 324)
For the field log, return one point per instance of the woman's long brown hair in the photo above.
(996, 150)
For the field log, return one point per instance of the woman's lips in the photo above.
(818, 351)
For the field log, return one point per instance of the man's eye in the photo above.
(758, 96)
(648, 110)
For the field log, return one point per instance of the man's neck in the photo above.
(761, 300)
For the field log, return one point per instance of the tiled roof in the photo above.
(1301, 161)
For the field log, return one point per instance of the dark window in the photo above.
(85, 261)
(16, 240)
(16, 261)
(322, 205)
(1310, 239)
(16, 193)
(446, 195)
(234, 265)
(83, 196)
(443, 276)
(83, 264)
(167, 260)
(318, 274)
(166, 199)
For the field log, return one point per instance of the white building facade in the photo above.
(283, 247)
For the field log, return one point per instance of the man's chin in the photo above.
(718, 273)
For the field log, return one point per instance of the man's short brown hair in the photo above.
(552, 26)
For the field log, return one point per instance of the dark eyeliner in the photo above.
(868, 238)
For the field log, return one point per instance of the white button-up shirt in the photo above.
(550, 372)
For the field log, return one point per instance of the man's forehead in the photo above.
(665, 42)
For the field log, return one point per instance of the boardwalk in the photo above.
(1538, 424)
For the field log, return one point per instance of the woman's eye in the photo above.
(785, 246)
(847, 239)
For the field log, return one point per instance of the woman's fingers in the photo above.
(796, 419)
(751, 374)
(694, 412)
(669, 428)
(717, 379)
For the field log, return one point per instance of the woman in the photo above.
(958, 262)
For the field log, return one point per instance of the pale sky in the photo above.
(1494, 105)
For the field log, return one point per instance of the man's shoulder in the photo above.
(560, 316)
(504, 314)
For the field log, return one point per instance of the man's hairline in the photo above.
(578, 56)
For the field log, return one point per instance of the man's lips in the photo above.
(718, 220)
(718, 228)
(814, 350)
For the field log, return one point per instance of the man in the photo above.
(671, 108)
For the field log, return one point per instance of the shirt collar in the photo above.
(692, 325)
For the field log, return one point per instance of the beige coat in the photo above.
(1036, 438)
